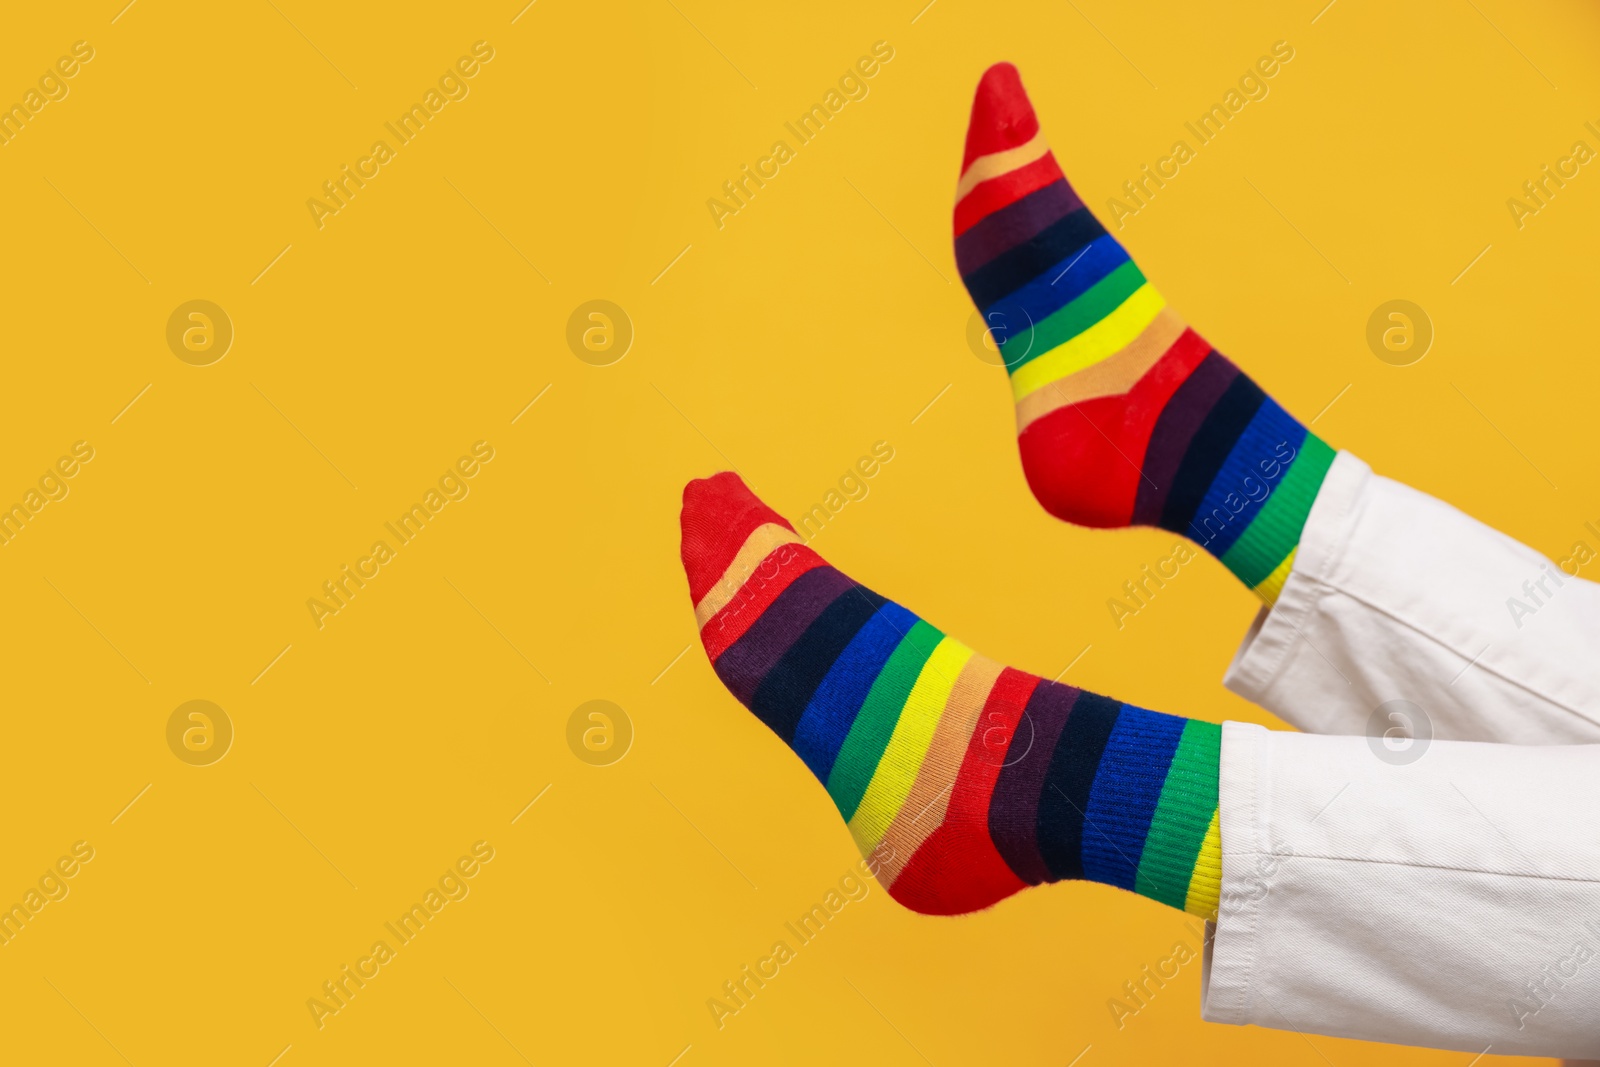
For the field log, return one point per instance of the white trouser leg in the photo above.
(1452, 901)
(1400, 607)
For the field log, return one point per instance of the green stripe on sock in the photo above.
(874, 724)
(1276, 529)
(1098, 301)
(1183, 814)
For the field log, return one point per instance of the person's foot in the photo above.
(961, 780)
(1125, 415)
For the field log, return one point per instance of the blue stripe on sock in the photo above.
(832, 710)
(1244, 475)
(1009, 318)
(1126, 790)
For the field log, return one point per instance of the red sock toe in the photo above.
(1002, 117)
(719, 514)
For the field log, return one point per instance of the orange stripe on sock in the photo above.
(996, 193)
(1112, 376)
(985, 877)
(771, 577)
(762, 540)
(986, 168)
(925, 807)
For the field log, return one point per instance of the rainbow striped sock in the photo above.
(1125, 416)
(962, 781)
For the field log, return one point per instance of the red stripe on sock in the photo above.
(770, 578)
(1084, 461)
(996, 193)
(958, 869)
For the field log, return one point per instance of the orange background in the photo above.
(371, 753)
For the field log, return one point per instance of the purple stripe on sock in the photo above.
(743, 666)
(1014, 805)
(1175, 428)
(1015, 223)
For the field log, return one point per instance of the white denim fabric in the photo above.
(1430, 874)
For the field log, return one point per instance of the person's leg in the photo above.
(1125, 415)
(962, 781)
(1405, 615)
(1453, 902)
(1390, 611)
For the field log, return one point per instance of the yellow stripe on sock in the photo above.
(995, 164)
(924, 810)
(1272, 584)
(1099, 342)
(762, 540)
(1205, 885)
(919, 718)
